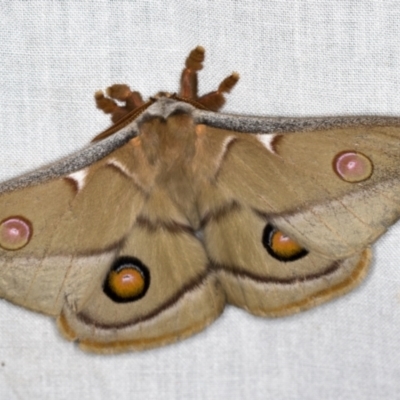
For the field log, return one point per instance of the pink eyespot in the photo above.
(15, 233)
(352, 166)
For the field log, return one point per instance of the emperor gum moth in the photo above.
(141, 238)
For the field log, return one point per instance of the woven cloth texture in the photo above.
(295, 57)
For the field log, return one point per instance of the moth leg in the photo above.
(215, 100)
(132, 100)
(193, 63)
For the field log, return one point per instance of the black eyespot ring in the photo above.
(128, 280)
(281, 246)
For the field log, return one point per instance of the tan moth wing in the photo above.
(140, 239)
(119, 268)
(296, 206)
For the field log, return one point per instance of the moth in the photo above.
(141, 238)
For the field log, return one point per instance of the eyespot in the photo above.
(15, 233)
(352, 166)
(281, 246)
(127, 280)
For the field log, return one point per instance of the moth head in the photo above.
(160, 95)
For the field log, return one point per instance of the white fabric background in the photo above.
(300, 58)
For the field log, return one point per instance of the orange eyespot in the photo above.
(128, 280)
(280, 246)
